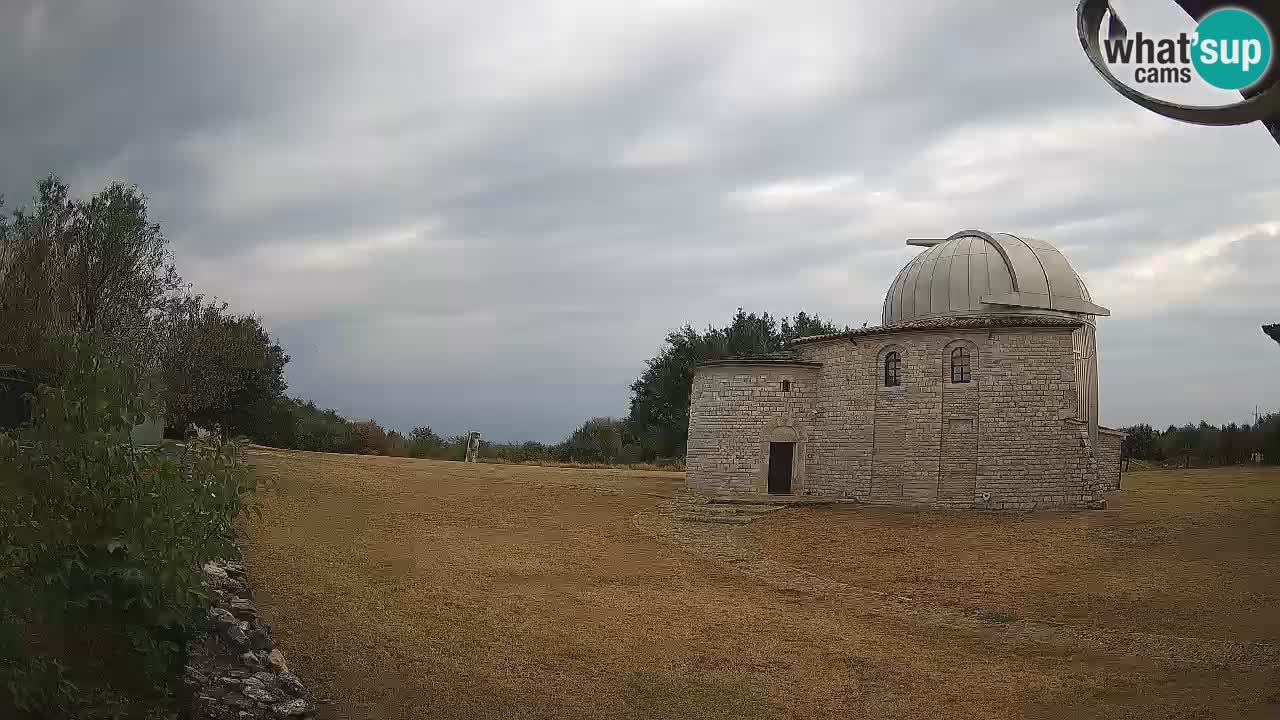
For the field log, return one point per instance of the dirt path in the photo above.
(412, 589)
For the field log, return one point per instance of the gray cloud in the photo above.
(488, 214)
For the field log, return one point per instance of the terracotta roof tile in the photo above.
(947, 323)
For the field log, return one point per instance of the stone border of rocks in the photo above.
(233, 670)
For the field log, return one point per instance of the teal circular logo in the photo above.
(1232, 49)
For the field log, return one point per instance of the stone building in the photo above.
(979, 390)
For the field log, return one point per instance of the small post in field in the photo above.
(473, 446)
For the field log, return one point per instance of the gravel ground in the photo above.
(419, 589)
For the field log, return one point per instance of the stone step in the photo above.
(740, 509)
(773, 500)
(720, 509)
(715, 519)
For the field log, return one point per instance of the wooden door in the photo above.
(781, 455)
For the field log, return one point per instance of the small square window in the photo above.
(786, 386)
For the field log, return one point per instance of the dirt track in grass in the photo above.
(413, 589)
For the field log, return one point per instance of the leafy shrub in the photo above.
(369, 438)
(101, 545)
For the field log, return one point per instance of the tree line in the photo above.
(1205, 445)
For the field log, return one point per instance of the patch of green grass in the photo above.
(997, 617)
(653, 694)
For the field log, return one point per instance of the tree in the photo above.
(316, 429)
(1268, 432)
(659, 414)
(425, 435)
(806, 325)
(424, 442)
(97, 267)
(369, 438)
(219, 370)
(1231, 445)
(1140, 441)
(283, 430)
(1205, 444)
(599, 440)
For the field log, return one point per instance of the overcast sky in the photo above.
(486, 215)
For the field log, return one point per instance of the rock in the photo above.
(221, 618)
(193, 678)
(206, 706)
(259, 694)
(290, 685)
(243, 608)
(217, 578)
(292, 708)
(260, 639)
(236, 639)
(278, 662)
(259, 686)
(236, 700)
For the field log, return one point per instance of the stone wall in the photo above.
(839, 457)
(1033, 451)
(1109, 453)
(1008, 439)
(233, 670)
(733, 411)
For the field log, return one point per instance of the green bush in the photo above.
(100, 548)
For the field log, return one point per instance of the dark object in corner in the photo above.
(15, 384)
(1261, 101)
(1272, 331)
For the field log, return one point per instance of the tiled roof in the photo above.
(951, 322)
(778, 358)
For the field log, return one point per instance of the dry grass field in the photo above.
(418, 589)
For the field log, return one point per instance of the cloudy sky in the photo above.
(488, 214)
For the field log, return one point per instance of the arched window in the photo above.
(892, 369)
(961, 370)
